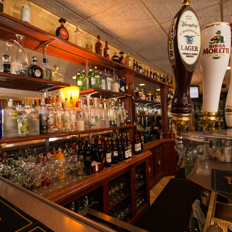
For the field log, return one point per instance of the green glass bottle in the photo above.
(85, 81)
(79, 80)
(91, 78)
(97, 79)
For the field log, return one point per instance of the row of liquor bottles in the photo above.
(96, 79)
(75, 160)
(51, 117)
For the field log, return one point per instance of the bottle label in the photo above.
(115, 153)
(103, 84)
(93, 81)
(37, 73)
(51, 121)
(59, 121)
(108, 158)
(24, 125)
(67, 121)
(108, 52)
(122, 89)
(73, 120)
(137, 147)
(123, 61)
(128, 153)
(43, 119)
(108, 83)
(79, 83)
(189, 37)
(25, 13)
(64, 33)
(13, 115)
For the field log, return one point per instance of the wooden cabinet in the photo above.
(158, 162)
(169, 157)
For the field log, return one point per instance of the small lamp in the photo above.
(73, 91)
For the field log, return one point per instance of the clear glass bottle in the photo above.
(67, 121)
(91, 78)
(59, 115)
(80, 117)
(85, 81)
(109, 80)
(106, 115)
(56, 76)
(47, 70)
(79, 80)
(33, 121)
(27, 107)
(23, 124)
(97, 79)
(77, 36)
(116, 85)
(89, 45)
(86, 116)
(43, 116)
(73, 115)
(97, 113)
(104, 81)
(92, 116)
(112, 115)
(25, 11)
(51, 116)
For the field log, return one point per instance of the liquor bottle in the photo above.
(67, 121)
(79, 80)
(59, 113)
(85, 81)
(25, 11)
(6, 62)
(51, 116)
(92, 116)
(23, 125)
(86, 116)
(102, 114)
(98, 46)
(89, 44)
(43, 116)
(91, 78)
(117, 114)
(47, 70)
(80, 117)
(136, 146)
(87, 153)
(77, 36)
(1, 5)
(109, 81)
(73, 115)
(121, 59)
(120, 150)
(115, 57)
(34, 70)
(151, 73)
(116, 85)
(106, 115)
(33, 121)
(101, 152)
(112, 115)
(97, 79)
(56, 76)
(128, 61)
(104, 81)
(134, 66)
(115, 153)
(129, 152)
(97, 113)
(94, 151)
(27, 107)
(108, 155)
(107, 51)
(61, 31)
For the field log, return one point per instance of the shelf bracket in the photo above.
(44, 43)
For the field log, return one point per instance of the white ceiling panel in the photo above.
(166, 26)
(166, 10)
(147, 38)
(159, 52)
(87, 8)
(123, 19)
(227, 10)
(58, 9)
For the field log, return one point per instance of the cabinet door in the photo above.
(169, 157)
(158, 164)
(151, 171)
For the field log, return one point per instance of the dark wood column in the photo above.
(164, 107)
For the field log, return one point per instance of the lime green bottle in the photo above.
(91, 78)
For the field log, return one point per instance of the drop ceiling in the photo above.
(138, 27)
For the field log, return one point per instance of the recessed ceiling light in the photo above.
(142, 84)
(228, 68)
(74, 77)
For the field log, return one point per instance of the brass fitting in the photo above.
(185, 2)
(209, 119)
(180, 121)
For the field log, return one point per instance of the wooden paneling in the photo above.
(158, 162)
(169, 157)
(151, 171)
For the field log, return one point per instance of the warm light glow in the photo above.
(142, 84)
(68, 91)
(74, 77)
(228, 68)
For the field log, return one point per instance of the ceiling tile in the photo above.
(87, 8)
(164, 65)
(166, 10)
(166, 26)
(145, 39)
(159, 52)
(123, 19)
(227, 11)
(58, 9)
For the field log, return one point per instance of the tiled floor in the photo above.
(158, 188)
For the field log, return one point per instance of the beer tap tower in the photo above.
(184, 46)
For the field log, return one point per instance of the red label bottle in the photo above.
(98, 46)
(62, 31)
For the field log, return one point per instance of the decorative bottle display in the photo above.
(216, 45)
(107, 51)
(34, 70)
(228, 108)
(89, 45)
(33, 122)
(183, 40)
(43, 116)
(77, 36)
(26, 11)
(98, 46)
(61, 31)
(10, 121)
